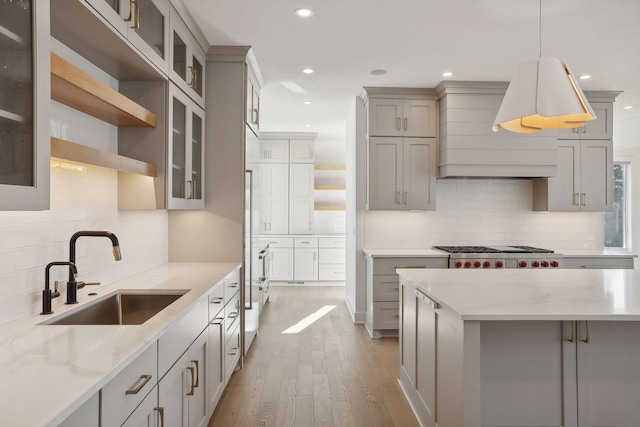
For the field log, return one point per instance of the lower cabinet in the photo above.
(88, 415)
(148, 414)
(215, 362)
(309, 258)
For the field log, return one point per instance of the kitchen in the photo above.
(150, 238)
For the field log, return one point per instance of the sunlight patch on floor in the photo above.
(309, 320)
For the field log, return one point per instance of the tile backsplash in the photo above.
(484, 212)
(82, 198)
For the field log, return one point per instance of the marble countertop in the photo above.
(414, 253)
(47, 371)
(515, 294)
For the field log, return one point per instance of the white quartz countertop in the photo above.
(48, 371)
(516, 294)
(568, 253)
(414, 253)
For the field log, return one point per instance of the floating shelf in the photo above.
(329, 208)
(330, 187)
(80, 153)
(330, 167)
(77, 89)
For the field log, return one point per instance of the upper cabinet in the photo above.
(301, 150)
(144, 23)
(600, 128)
(24, 105)
(402, 117)
(252, 115)
(187, 60)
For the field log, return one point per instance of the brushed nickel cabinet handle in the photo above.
(197, 363)
(135, 390)
(583, 196)
(573, 332)
(217, 300)
(586, 338)
(217, 321)
(160, 411)
(193, 387)
(233, 315)
(137, 5)
(235, 351)
(233, 285)
(406, 124)
(398, 124)
(411, 266)
(397, 198)
(406, 197)
(576, 199)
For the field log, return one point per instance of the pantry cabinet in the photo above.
(401, 173)
(185, 172)
(402, 117)
(301, 198)
(274, 199)
(187, 60)
(24, 105)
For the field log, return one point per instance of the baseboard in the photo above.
(358, 318)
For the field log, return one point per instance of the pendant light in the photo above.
(543, 94)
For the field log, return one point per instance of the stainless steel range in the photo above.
(501, 257)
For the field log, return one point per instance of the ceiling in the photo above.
(415, 41)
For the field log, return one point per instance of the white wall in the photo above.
(626, 145)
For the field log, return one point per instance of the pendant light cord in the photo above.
(540, 27)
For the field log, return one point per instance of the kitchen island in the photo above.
(521, 347)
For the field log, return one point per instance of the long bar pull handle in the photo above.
(576, 199)
(193, 387)
(586, 338)
(160, 411)
(405, 197)
(137, 24)
(135, 390)
(573, 331)
(195, 362)
(406, 124)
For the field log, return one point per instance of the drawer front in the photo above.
(306, 242)
(386, 315)
(124, 392)
(216, 300)
(596, 263)
(332, 242)
(332, 272)
(386, 288)
(180, 336)
(280, 242)
(231, 354)
(389, 265)
(231, 288)
(231, 316)
(332, 256)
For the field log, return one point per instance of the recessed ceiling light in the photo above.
(628, 107)
(447, 74)
(304, 13)
(308, 70)
(308, 102)
(308, 125)
(378, 72)
(585, 77)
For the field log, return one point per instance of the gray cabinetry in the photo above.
(402, 117)
(600, 128)
(24, 105)
(187, 60)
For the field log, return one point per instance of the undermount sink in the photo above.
(127, 307)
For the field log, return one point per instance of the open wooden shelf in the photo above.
(77, 89)
(327, 167)
(80, 153)
(329, 208)
(329, 187)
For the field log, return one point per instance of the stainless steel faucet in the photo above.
(72, 285)
(46, 293)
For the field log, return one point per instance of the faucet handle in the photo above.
(56, 292)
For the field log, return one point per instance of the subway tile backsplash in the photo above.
(484, 212)
(82, 198)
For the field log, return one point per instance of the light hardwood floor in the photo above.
(330, 374)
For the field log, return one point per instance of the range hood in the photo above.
(468, 146)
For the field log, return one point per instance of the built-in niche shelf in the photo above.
(68, 150)
(79, 90)
(330, 187)
(329, 208)
(323, 167)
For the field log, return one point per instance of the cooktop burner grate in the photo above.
(489, 250)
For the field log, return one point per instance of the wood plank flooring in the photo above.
(330, 374)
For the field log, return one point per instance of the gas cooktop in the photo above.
(493, 249)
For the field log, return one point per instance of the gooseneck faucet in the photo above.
(72, 285)
(47, 294)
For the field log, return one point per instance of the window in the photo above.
(616, 223)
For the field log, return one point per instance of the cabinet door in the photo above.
(149, 31)
(148, 414)
(306, 264)
(25, 83)
(608, 374)
(596, 178)
(385, 117)
(187, 60)
(301, 150)
(275, 150)
(564, 188)
(116, 12)
(281, 264)
(215, 362)
(197, 368)
(419, 174)
(276, 201)
(602, 126)
(419, 117)
(172, 393)
(385, 174)
(196, 163)
(301, 198)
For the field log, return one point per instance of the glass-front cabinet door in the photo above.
(24, 105)
(186, 152)
(187, 60)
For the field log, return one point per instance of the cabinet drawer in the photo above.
(280, 242)
(386, 315)
(216, 300)
(231, 354)
(332, 272)
(332, 256)
(124, 392)
(332, 242)
(386, 288)
(231, 288)
(306, 242)
(596, 262)
(180, 336)
(389, 265)
(231, 316)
